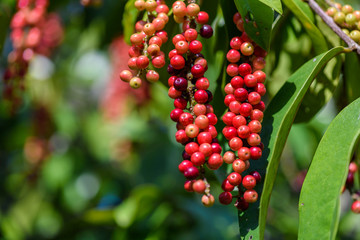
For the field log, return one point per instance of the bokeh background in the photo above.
(86, 157)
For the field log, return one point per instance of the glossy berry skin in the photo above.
(237, 82)
(199, 186)
(226, 186)
(202, 83)
(191, 173)
(202, 17)
(246, 109)
(206, 149)
(244, 153)
(186, 118)
(192, 130)
(234, 178)
(197, 71)
(184, 165)
(178, 62)
(208, 201)
(249, 182)
(204, 137)
(239, 166)
(216, 148)
(181, 137)
(188, 185)
(229, 157)
(191, 147)
(201, 96)
(180, 103)
(206, 31)
(225, 198)
(235, 43)
(241, 94)
(238, 121)
(250, 80)
(256, 175)
(245, 69)
(255, 153)
(180, 84)
(229, 132)
(195, 46)
(250, 196)
(215, 161)
(233, 56)
(355, 207)
(175, 114)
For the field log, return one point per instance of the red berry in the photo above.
(235, 106)
(191, 173)
(188, 186)
(237, 82)
(225, 198)
(229, 89)
(238, 121)
(235, 43)
(241, 94)
(181, 137)
(173, 93)
(204, 137)
(199, 186)
(190, 34)
(232, 69)
(229, 132)
(184, 165)
(202, 17)
(186, 118)
(254, 98)
(229, 157)
(180, 84)
(152, 76)
(228, 117)
(158, 62)
(216, 148)
(258, 63)
(197, 71)
(355, 207)
(256, 175)
(191, 147)
(245, 69)
(180, 102)
(256, 114)
(241, 204)
(177, 38)
(247, 49)
(228, 99)
(234, 178)
(202, 83)
(260, 106)
(226, 186)
(175, 114)
(235, 143)
(212, 118)
(208, 201)
(250, 196)
(178, 62)
(201, 96)
(249, 182)
(202, 121)
(243, 131)
(254, 139)
(244, 153)
(198, 158)
(245, 109)
(215, 161)
(206, 149)
(250, 80)
(206, 31)
(182, 47)
(353, 167)
(260, 76)
(126, 76)
(199, 109)
(239, 166)
(195, 46)
(193, 9)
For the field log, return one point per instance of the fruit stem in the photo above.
(330, 22)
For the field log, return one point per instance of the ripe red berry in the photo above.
(254, 98)
(234, 178)
(229, 89)
(246, 109)
(228, 99)
(245, 69)
(180, 102)
(175, 114)
(152, 76)
(202, 17)
(184, 165)
(254, 139)
(241, 94)
(199, 109)
(198, 158)
(190, 34)
(256, 175)
(199, 186)
(216, 148)
(232, 69)
(235, 106)
(197, 71)
(239, 166)
(204, 137)
(191, 173)
(235, 143)
(247, 49)
(355, 207)
(126, 76)
(202, 121)
(235, 43)
(226, 186)
(250, 196)
(256, 114)
(260, 88)
(250, 80)
(178, 62)
(177, 38)
(202, 83)
(191, 147)
(233, 56)
(195, 46)
(225, 198)
(244, 131)
(201, 96)
(192, 130)
(244, 153)
(249, 182)
(260, 76)
(186, 118)
(180, 84)
(238, 121)
(215, 161)
(181, 137)
(181, 47)
(173, 93)
(229, 132)
(188, 185)
(229, 157)
(206, 31)
(237, 82)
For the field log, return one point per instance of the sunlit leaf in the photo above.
(318, 204)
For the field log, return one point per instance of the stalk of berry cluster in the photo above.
(244, 117)
(146, 43)
(193, 112)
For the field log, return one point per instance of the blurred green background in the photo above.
(86, 157)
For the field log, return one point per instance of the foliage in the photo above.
(112, 168)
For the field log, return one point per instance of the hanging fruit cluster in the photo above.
(193, 112)
(349, 185)
(146, 44)
(32, 31)
(244, 117)
(347, 18)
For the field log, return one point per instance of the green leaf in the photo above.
(278, 119)
(129, 19)
(318, 205)
(320, 91)
(351, 80)
(303, 13)
(260, 18)
(275, 4)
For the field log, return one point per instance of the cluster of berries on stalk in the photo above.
(32, 31)
(244, 117)
(193, 112)
(353, 168)
(347, 18)
(146, 43)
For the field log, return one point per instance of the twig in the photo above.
(331, 4)
(330, 22)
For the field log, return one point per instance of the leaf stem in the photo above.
(330, 22)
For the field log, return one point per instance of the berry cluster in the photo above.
(32, 31)
(244, 117)
(353, 168)
(189, 89)
(347, 19)
(146, 43)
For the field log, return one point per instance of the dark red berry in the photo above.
(206, 31)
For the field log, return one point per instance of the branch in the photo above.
(330, 22)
